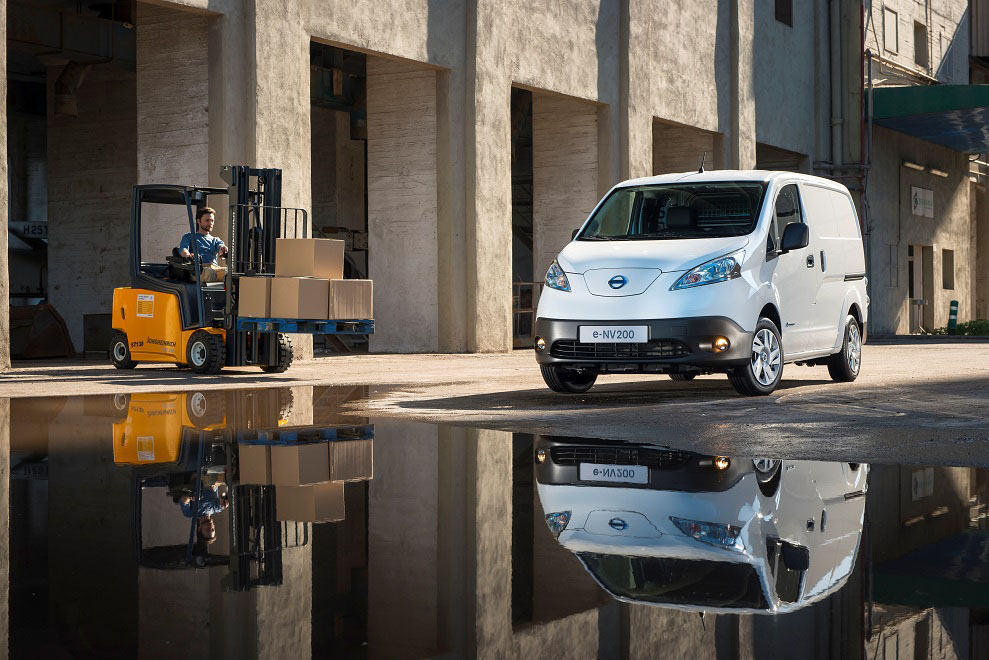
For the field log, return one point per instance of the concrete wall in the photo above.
(784, 103)
(564, 174)
(92, 166)
(172, 116)
(4, 525)
(402, 197)
(947, 24)
(894, 228)
(4, 218)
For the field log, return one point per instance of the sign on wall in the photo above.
(921, 202)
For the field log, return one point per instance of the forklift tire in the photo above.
(284, 356)
(120, 352)
(205, 353)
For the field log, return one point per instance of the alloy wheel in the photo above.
(854, 348)
(767, 358)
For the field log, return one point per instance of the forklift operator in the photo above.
(209, 247)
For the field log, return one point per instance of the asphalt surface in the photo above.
(922, 402)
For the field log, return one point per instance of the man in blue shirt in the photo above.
(209, 247)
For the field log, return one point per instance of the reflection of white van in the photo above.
(694, 536)
(724, 271)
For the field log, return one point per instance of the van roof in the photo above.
(762, 176)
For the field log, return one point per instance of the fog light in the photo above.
(540, 344)
(721, 344)
(721, 462)
(540, 455)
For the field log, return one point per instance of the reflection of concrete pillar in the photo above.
(4, 264)
(284, 613)
(401, 189)
(564, 173)
(4, 510)
(402, 541)
(172, 120)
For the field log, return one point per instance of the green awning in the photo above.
(954, 116)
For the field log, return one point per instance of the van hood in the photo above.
(667, 256)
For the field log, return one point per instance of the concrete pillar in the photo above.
(172, 115)
(741, 141)
(92, 167)
(402, 205)
(4, 515)
(4, 266)
(488, 170)
(259, 99)
(565, 173)
(403, 548)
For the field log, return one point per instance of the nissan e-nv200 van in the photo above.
(737, 272)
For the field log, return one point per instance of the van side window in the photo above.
(787, 211)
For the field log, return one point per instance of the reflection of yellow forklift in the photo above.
(178, 443)
(170, 315)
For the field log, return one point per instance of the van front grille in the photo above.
(656, 348)
(656, 459)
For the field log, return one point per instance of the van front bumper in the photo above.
(674, 345)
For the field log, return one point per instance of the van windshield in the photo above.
(674, 211)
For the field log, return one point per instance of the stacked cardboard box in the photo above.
(308, 284)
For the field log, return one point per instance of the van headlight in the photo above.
(716, 534)
(557, 521)
(556, 278)
(721, 269)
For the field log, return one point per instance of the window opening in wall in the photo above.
(891, 31)
(525, 286)
(784, 12)
(948, 269)
(910, 293)
(920, 51)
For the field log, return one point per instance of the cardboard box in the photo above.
(309, 257)
(319, 503)
(255, 464)
(299, 298)
(254, 297)
(299, 465)
(351, 460)
(350, 299)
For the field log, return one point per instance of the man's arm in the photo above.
(184, 246)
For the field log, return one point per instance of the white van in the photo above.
(703, 533)
(724, 271)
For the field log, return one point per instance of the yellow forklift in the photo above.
(169, 315)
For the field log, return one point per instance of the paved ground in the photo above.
(918, 402)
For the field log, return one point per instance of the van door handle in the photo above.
(810, 261)
(824, 263)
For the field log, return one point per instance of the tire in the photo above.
(284, 357)
(844, 366)
(120, 351)
(764, 371)
(567, 381)
(768, 472)
(679, 375)
(205, 353)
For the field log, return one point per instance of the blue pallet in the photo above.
(290, 435)
(307, 326)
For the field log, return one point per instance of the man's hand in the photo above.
(185, 253)
(223, 250)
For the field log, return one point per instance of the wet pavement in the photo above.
(279, 522)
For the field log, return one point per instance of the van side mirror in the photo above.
(796, 557)
(574, 234)
(795, 236)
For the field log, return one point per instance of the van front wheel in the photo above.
(765, 368)
(845, 364)
(567, 381)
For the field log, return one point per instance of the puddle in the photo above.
(248, 523)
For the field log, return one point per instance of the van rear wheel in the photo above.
(763, 372)
(567, 381)
(844, 365)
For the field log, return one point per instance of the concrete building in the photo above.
(454, 145)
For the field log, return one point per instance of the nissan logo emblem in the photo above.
(617, 523)
(617, 282)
